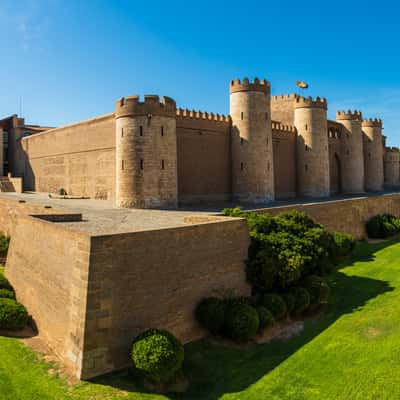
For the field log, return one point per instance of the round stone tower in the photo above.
(310, 120)
(252, 158)
(146, 154)
(352, 160)
(391, 162)
(373, 154)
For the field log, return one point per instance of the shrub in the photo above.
(4, 284)
(290, 301)
(318, 290)
(296, 222)
(210, 314)
(344, 244)
(301, 299)
(265, 318)
(7, 294)
(4, 243)
(275, 304)
(241, 322)
(382, 226)
(12, 314)
(157, 354)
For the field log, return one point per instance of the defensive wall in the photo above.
(89, 295)
(347, 215)
(80, 158)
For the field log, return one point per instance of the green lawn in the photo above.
(350, 352)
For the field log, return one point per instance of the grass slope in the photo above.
(351, 352)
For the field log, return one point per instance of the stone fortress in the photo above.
(150, 154)
(96, 268)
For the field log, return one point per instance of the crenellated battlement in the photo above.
(193, 114)
(291, 96)
(132, 106)
(277, 126)
(247, 86)
(309, 102)
(349, 115)
(372, 122)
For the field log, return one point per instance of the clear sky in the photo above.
(70, 60)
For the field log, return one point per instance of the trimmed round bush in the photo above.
(382, 226)
(344, 243)
(241, 322)
(13, 315)
(301, 299)
(210, 313)
(157, 355)
(4, 284)
(265, 317)
(7, 294)
(275, 304)
(290, 301)
(318, 290)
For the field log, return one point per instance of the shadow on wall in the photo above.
(29, 182)
(214, 370)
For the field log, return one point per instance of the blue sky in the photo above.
(70, 60)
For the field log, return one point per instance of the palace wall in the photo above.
(79, 158)
(282, 108)
(335, 157)
(204, 157)
(285, 169)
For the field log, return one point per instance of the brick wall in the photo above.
(48, 267)
(282, 108)
(89, 296)
(285, 168)
(79, 158)
(155, 279)
(348, 215)
(204, 160)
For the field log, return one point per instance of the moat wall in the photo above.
(90, 295)
(349, 215)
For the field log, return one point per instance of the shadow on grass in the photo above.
(214, 370)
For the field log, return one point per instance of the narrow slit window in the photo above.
(306, 127)
(141, 164)
(241, 141)
(162, 164)
(241, 166)
(241, 115)
(269, 167)
(162, 131)
(306, 148)
(141, 130)
(306, 167)
(123, 164)
(122, 132)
